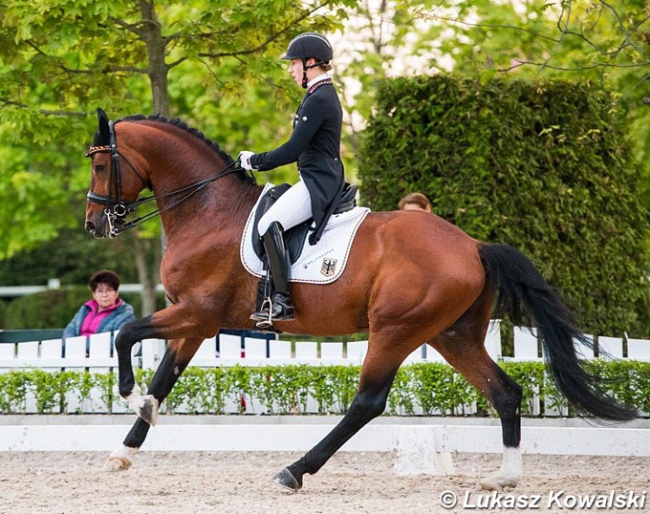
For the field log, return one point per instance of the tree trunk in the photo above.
(156, 44)
(146, 253)
(151, 34)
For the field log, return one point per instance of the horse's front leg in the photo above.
(144, 406)
(176, 358)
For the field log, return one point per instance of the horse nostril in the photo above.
(90, 227)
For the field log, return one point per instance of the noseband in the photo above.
(116, 209)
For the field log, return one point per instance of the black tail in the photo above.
(524, 295)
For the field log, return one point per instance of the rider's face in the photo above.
(295, 69)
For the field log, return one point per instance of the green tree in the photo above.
(213, 64)
(603, 42)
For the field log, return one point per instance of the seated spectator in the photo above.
(106, 312)
(415, 202)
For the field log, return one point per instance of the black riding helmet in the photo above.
(307, 45)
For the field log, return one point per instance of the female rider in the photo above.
(315, 146)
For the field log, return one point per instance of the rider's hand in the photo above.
(245, 159)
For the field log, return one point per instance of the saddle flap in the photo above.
(294, 238)
(323, 263)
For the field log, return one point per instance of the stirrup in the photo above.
(279, 311)
(263, 317)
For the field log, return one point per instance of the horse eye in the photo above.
(99, 168)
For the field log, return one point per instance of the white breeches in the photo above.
(291, 209)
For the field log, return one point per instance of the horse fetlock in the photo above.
(509, 474)
(147, 408)
(129, 394)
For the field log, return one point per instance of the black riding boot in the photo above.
(280, 308)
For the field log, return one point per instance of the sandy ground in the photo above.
(352, 482)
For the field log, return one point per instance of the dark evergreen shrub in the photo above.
(546, 167)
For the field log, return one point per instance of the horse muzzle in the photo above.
(97, 228)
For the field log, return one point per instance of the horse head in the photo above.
(112, 194)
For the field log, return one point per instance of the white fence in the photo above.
(96, 354)
(418, 449)
(528, 348)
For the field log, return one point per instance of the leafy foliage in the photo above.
(544, 166)
(48, 309)
(607, 43)
(603, 42)
(3, 310)
(419, 389)
(71, 257)
(214, 65)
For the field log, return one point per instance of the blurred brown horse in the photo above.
(411, 277)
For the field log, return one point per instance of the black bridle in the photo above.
(118, 209)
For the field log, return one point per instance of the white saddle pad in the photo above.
(319, 264)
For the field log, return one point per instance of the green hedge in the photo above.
(56, 307)
(47, 309)
(544, 166)
(427, 388)
(3, 313)
(71, 257)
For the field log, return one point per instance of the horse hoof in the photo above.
(286, 479)
(148, 409)
(497, 482)
(118, 464)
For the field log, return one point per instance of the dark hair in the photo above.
(417, 199)
(104, 277)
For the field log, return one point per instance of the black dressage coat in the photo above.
(315, 145)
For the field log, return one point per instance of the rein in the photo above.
(116, 210)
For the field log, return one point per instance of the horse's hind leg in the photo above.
(176, 358)
(377, 375)
(463, 348)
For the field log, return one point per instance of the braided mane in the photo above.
(196, 133)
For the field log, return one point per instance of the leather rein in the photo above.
(117, 209)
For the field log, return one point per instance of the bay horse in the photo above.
(411, 277)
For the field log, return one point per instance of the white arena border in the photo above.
(420, 448)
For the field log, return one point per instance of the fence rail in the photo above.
(46, 351)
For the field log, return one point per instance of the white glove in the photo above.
(245, 159)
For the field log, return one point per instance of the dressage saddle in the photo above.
(294, 238)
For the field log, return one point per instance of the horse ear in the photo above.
(102, 117)
(103, 135)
